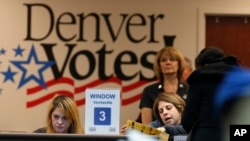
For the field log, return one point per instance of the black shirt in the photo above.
(151, 92)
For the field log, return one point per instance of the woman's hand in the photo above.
(162, 129)
(123, 129)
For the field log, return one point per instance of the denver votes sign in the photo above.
(63, 47)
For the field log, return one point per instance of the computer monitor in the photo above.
(58, 137)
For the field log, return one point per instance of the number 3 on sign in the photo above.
(102, 116)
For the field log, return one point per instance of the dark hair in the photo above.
(214, 54)
(209, 55)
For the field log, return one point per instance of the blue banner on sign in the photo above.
(102, 116)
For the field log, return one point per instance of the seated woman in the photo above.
(62, 117)
(168, 109)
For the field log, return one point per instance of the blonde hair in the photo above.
(69, 107)
(170, 52)
(169, 97)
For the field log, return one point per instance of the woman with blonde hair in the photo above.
(168, 67)
(62, 117)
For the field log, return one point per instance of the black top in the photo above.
(198, 113)
(40, 130)
(151, 92)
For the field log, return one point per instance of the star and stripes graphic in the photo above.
(32, 68)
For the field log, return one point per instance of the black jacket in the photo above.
(198, 114)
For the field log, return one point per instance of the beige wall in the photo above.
(183, 18)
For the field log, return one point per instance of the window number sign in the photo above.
(102, 111)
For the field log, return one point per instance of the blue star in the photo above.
(9, 75)
(2, 51)
(28, 72)
(19, 51)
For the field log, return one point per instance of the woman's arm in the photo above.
(174, 129)
(146, 115)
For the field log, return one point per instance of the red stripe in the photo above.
(50, 83)
(80, 102)
(81, 89)
(133, 86)
(95, 83)
(42, 99)
(131, 99)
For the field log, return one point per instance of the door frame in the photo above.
(202, 12)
